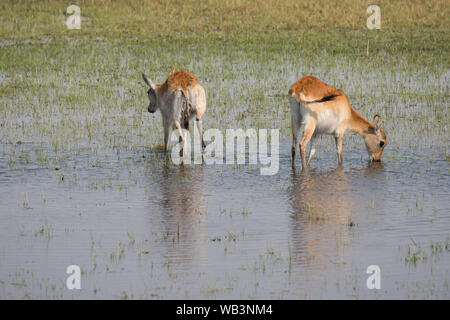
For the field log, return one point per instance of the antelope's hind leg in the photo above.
(296, 124)
(199, 104)
(312, 148)
(181, 138)
(307, 134)
(200, 131)
(166, 136)
(294, 141)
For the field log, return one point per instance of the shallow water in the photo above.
(141, 227)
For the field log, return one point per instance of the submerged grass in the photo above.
(97, 100)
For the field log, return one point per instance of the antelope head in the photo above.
(152, 97)
(375, 140)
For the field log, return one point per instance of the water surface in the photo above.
(141, 227)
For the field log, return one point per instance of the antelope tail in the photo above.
(184, 107)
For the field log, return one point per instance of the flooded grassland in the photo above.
(83, 180)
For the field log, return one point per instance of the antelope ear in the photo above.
(148, 81)
(377, 123)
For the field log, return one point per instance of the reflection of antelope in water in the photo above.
(321, 207)
(324, 207)
(182, 208)
(322, 109)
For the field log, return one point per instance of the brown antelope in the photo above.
(179, 98)
(322, 109)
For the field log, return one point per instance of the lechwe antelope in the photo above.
(180, 98)
(322, 109)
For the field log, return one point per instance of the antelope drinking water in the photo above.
(180, 98)
(321, 109)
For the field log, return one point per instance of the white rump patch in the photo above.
(303, 97)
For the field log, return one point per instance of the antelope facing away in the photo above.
(321, 109)
(179, 98)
